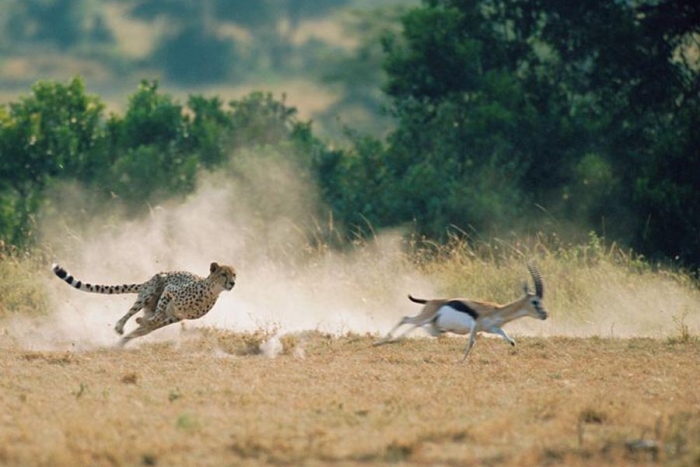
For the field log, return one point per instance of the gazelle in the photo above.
(462, 316)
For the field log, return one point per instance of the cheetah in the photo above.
(166, 298)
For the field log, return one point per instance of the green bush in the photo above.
(152, 152)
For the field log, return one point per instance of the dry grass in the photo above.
(591, 288)
(20, 293)
(212, 399)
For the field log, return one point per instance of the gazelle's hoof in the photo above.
(385, 340)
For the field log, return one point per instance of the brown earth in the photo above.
(212, 398)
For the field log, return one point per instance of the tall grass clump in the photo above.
(21, 293)
(591, 286)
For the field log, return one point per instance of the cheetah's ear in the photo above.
(213, 267)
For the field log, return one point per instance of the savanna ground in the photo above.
(611, 378)
(212, 398)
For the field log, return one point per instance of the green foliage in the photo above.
(54, 130)
(142, 172)
(510, 111)
(439, 53)
(53, 133)
(508, 105)
(209, 132)
(666, 185)
(149, 148)
(259, 119)
(152, 152)
(353, 182)
(151, 119)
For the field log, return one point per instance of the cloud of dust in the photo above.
(257, 215)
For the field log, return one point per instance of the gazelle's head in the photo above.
(534, 300)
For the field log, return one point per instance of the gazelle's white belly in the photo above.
(448, 319)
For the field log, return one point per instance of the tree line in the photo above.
(509, 113)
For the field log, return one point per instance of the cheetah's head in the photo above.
(224, 275)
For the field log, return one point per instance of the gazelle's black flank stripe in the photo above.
(462, 307)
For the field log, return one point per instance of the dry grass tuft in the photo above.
(130, 378)
(20, 292)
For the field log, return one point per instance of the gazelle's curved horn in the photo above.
(537, 279)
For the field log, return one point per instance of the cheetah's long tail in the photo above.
(103, 289)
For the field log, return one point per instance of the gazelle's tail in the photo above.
(417, 300)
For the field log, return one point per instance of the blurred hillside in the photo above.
(506, 116)
(323, 55)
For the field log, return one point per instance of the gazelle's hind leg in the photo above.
(405, 320)
(389, 337)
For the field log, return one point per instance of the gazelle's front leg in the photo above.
(502, 333)
(472, 339)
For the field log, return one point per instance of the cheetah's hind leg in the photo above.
(135, 308)
(146, 300)
(146, 327)
(153, 319)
